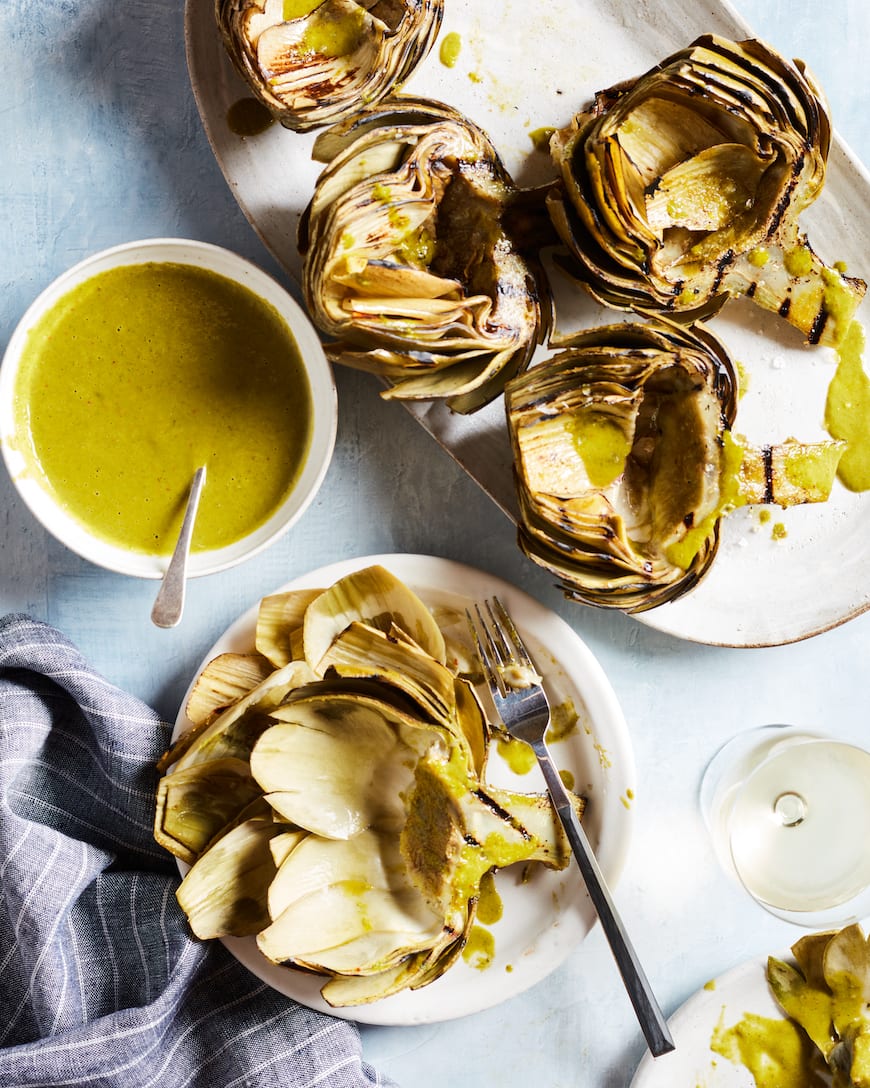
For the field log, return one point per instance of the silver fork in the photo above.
(522, 705)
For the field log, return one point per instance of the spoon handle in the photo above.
(169, 603)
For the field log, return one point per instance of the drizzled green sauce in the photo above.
(450, 49)
(847, 411)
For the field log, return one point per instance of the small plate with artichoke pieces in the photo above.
(793, 1021)
(350, 821)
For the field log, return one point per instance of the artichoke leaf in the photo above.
(234, 732)
(224, 680)
(336, 765)
(374, 596)
(279, 625)
(224, 893)
(363, 651)
(195, 804)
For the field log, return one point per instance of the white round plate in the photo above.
(547, 917)
(720, 1004)
(530, 74)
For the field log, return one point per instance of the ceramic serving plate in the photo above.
(545, 918)
(542, 66)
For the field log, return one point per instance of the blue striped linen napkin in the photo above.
(101, 982)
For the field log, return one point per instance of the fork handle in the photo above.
(652, 1020)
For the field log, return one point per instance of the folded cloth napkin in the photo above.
(101, 982)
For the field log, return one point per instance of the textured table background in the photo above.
(102, 144)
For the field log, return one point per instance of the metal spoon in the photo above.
(170, 599)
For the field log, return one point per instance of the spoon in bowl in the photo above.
(169, 603)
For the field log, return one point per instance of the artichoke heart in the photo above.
(414, 264)
(684, 187)
(312, 62)
(626, 462)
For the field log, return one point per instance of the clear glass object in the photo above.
(788, 811)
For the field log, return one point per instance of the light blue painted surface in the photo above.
(102, 144)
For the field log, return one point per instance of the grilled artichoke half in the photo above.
(684, 187)
(411, 264)
(625, 462)
(314, 63)
(337, 807)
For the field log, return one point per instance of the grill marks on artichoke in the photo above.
(626, 462)
(414, 262)
(737, 136)
(316, 68)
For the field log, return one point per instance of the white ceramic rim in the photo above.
(72, 533)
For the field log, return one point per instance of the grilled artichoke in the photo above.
(411, 264)
(315, 62)
(625, 462)
(338, 809)
(684, 187)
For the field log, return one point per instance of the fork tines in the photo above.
(498, 643)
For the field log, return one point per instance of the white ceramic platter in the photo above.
(721, 1004)
(533, 66)
(545, 918)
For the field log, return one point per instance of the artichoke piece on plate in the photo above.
(224, 893)
(234, 732)
(376, 597)
(684, 187)
(315, 62)
(402, 833)
(626, 462)
(828, 995)
(414, 264)
(195, 805)
(338, 809)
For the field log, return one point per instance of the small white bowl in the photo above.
(72, 532)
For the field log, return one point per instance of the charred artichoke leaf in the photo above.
(224, 893)
(373, 596)
(223, 681)
(336, 764)
(684, 187)
(280, 617)
(413, 267)
(313, 62)
(626, 462)
(234, 732)
(789, 474)
(457, 830)
(362, 651)
(195, 804)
